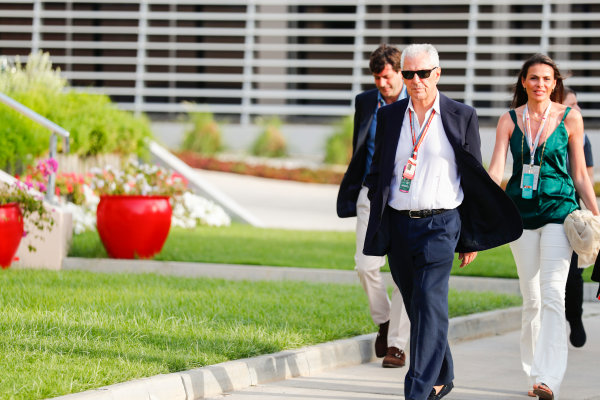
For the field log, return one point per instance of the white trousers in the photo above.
(542, 256)
(369, 273)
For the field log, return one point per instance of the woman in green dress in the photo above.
(540, 185)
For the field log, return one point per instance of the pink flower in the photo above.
(52, 164)
(47, 167)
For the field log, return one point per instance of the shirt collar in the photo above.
(436, 104)
(403, 95)
(380, 100)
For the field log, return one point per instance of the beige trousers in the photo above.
(369, 273)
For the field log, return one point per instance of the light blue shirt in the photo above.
(373, 128)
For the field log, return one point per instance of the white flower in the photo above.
(91, 200)
(190, 210)
(84, 217)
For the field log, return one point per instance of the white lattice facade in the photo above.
(297, 59)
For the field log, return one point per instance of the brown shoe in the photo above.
(381, 340)
(395, 358)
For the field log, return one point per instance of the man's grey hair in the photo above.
(413, 50)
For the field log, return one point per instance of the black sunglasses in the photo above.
(423, 73)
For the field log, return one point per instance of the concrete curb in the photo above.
(217, 379)
(214, 380)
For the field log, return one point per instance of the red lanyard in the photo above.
(417, 144)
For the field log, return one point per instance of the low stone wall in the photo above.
(72, 163)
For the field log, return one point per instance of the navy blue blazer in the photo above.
(365, 105)
(489, 218)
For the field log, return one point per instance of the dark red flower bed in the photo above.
(310, 175)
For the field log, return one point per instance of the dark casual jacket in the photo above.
(365, 105)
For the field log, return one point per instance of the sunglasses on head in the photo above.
(423, 73)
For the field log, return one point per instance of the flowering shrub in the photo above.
(71, 187)
(190, 210)
(324, 175)
(30, 202)
(84, 211)
(36, 177)
(135, 178)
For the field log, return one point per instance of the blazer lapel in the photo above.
(392, 137)
(449, 118)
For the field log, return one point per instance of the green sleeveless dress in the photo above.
(554, 198)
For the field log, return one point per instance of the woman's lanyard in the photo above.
(527, 126)
(409, 169)
(531, 172)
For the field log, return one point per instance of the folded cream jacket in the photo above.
(583, 231)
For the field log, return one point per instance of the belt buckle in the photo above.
(416, 215)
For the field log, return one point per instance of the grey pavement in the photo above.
(486, 368)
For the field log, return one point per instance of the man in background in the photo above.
(574, 288)
(390, 316)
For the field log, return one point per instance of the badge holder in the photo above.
(407, 175)
(529, 180)
(527, 192)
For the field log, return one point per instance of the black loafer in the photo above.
(577, 336)
(443, 392)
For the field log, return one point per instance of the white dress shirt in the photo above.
(436, 183)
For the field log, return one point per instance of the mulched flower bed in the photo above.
(310, 175)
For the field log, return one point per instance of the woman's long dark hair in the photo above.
(520, 95)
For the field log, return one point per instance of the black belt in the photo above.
(421, 213)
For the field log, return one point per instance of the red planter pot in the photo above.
(133, 226)
(11, 232)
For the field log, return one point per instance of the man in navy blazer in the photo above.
(390, 316)
(431, 197)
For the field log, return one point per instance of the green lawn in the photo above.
(69, 331)
(243, 244)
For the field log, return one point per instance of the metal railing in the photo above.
(55, 129)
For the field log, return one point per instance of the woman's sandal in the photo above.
(543, 391)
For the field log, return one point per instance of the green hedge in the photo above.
(96, 125)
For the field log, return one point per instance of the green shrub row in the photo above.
(204, 136)
(95, 124)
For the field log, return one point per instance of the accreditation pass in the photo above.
(534, 171)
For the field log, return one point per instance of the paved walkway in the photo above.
(487, 368)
